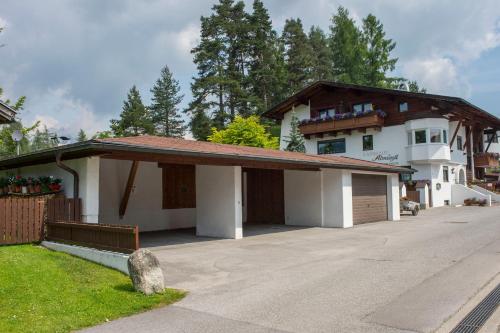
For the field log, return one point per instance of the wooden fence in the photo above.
(413, 195)
(118, 238)
(21, 220)
(63, 209)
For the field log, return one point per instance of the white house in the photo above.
(164, 183)
(438, 136)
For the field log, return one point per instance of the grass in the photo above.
(47, 291)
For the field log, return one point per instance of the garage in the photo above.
(265, 196)
(369, 198)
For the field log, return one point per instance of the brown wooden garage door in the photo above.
(265, 196)
(369, 198)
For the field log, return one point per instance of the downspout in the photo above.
(76, 178)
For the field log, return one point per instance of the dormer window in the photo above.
(325, 113)
(403, 106)
(362, 107)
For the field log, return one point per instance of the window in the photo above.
(435, 135)
(445, 136)
(364, 107)
(403, 107)
(179, 186)
(336, 146)
(421, 136)
(490, 135)
(445, 174)
(367, 142)
(325, 113)
(459, 143)
(410, 138)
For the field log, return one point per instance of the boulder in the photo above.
(145, 272)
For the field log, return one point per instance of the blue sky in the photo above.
(75, 60)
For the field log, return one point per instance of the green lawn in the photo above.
(46, 291)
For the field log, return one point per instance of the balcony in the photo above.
(428, 152)
(342, 122)
(486, 160)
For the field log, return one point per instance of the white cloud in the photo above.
(437, 75)
(64, 114)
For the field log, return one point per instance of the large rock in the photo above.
(145, 272)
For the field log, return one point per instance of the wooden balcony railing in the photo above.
(325, 126)
(486, 160)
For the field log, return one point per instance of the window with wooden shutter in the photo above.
(179, 186)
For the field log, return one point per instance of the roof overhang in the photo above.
(7, 114)
(120, 151)
(454, 106)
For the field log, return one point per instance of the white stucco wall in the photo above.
(337, 198)
(301, 112)
(145, 204)
(303, 198)
(461, 192)
(393, 197)
(218, 201)
(88, 171)
(390, 145)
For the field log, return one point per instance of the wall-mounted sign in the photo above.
(383, 157)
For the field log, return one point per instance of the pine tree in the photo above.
(322, 66)
(43, 140)
(134, 118)
(265, 72)
(82, 136)
(378, 61)
(347, 48)
(414, 87)
(163, 111)
(298, 55)
(295, 141)
(221, 58)
(200, 125)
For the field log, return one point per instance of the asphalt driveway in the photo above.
(401, 276)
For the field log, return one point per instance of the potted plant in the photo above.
(18, 182)
(30, 185)
(37, 185)
(24, 185)
(55, 184)
(44, 183)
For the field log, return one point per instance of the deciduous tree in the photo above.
(244, 132)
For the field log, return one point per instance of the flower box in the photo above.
(342, 122)
(486, 160)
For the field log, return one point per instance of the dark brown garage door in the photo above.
(265, 196)
(369, 198)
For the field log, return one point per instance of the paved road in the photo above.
(402, 276)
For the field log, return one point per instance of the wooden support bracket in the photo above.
(128, 189)
(455, 133)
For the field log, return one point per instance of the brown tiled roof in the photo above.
(225, 150)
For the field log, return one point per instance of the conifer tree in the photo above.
(164, 112)
(134, 118)
(322, 66)
(378, 61)
(221, 57)
(265, 73)
(347, 48)
(82, 136)
(295, 140)
(298, 55)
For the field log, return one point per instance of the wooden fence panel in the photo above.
(22, 219)
(62, 209)
(413, 195)
(117, 238)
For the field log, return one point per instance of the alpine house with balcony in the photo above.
(441, 137)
